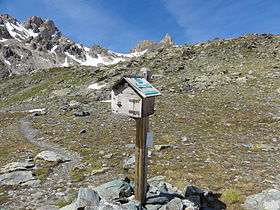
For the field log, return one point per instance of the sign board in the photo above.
(150, 139)
(142, 86)
(133, 97)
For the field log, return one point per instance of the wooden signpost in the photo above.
(135, 97)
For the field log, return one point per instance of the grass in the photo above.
(217, 121)
(3, 196)
(233, 199)
(13, 142)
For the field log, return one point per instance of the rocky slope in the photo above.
(216, 125)
(38, 44)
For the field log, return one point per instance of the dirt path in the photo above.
(62, 170)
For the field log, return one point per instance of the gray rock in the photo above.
(87, 198)
(192, 190)
(153, 207)
(52, 157)
(161, 198)
(268, 199)
(132, 205)
(130, 146)
(99, 171)
(14, 166)
(108, 156)
(110, 205)
(163, 187)
(129, 164)
(81, 114)
(17, 177)
(161, 147)
(192, 202)
(174, 204)
(114, 190)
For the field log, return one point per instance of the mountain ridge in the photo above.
(38, 44)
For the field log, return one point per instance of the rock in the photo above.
(87, 198)
(175, 203)
(192, 190)
(192, 202)
(143, 45)
(152, 207)
(130, 146)
(52, 157)
(268, 199)
(14, 166)
(48, 207)
(132, 205)
(156, 178)
(18, 177)
(164, 187)
(161, 147)
(81, 114)
(100, 170)
(108, 156)
(166, 41)
(129, 164)
(82, 131)
(111, 205)
(114, 190)
(161, 198)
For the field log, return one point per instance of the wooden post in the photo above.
(141, 153)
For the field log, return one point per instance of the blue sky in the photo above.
(120, 24)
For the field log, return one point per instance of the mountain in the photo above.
(151, 45)
(38, 44)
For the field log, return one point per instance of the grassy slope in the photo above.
(231, 122)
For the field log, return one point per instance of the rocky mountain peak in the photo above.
(33, 23)
(144, 45)
(7, 17)
(167, 40)
(151, 45)
(38, 44)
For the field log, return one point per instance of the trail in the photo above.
(62, 170)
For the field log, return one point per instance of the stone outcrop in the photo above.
(118, 194)
(151, 45)
(18, 178)
(268, 199)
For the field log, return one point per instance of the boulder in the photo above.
(152, 206)
(161, 198)
(52, 157)
(111, 205)
(268, 199)
(132, 205)
(114, 190)
(175, 203)
(14, 166)
(18, 177)
(87, 199)
(191, 191)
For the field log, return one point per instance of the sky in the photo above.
(120, 25)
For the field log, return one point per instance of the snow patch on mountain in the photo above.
(95, 86)
(17, 30)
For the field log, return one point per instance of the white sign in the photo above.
(150, 139)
